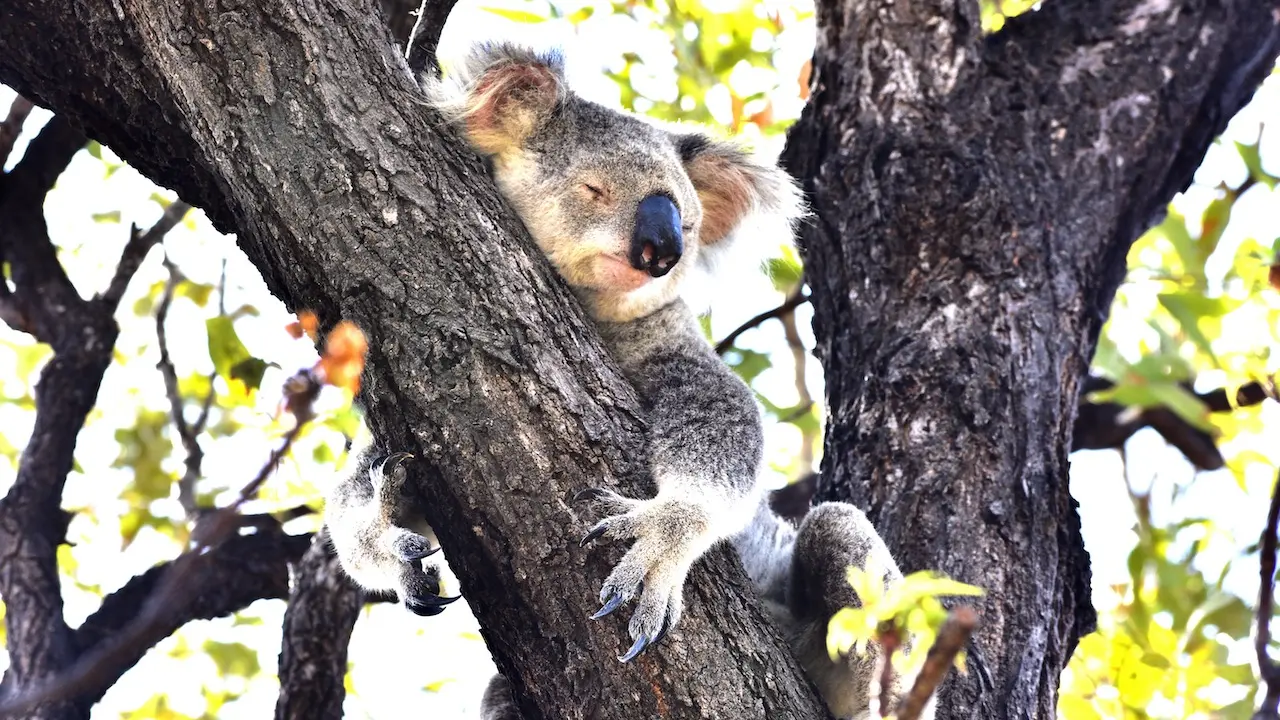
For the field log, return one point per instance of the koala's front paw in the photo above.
(420, 591)
(670, 534)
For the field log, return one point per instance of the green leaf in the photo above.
(106, 217)
(161, 200)
(1183, 403)
(1189, 309)
(520, 16)
(225, 347)
(1253, 161)
(233, 658)
(748, 363)
(250, 371)
(94, 149)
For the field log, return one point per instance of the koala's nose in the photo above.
(657, 242)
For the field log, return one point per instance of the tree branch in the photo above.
(421, 50)
(952, 638)
(12, 126)
(135, 251)
(323, 608)
(93, 671)
(225, 580)
(791, 303)
(1101, 426)
(188, 434)
(1267, 667)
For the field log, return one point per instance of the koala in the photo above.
(628, 212)
(381, 539)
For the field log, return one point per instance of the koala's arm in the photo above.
(705, 450)
(380, 538)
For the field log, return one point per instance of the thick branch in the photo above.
(974, 202)
(1105, 425)
(323, 608)
(11, 128)
(351, 201)
(229, 578)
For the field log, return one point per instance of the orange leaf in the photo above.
(344, 354)
(806, 75)
(307, 323)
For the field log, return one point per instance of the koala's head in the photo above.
(623, 208)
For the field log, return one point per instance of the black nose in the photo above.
(657, 241)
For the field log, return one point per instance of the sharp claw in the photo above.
(430, 605)
(595, 532)
(414, 556)
(614, 601)
(394, 459)
(590, 494)
(636, 648)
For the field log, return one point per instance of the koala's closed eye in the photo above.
(593, 192)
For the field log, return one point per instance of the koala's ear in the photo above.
(500, 94)
(738, 192)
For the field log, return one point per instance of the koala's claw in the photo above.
(614, 601)
(428, 605)
(600, 529)
(637, 647)
(412, 547)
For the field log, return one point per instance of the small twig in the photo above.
(189, 435)
(882, 680)
(951, 640)
(173, 591)
(1267, 667)
(140, 243)
(11, 128)
(792, 303)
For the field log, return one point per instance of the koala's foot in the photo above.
(669, 534)
(418, 587)
(420, 590)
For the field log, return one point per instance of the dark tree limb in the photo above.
(952, 638)
(1100, 426)
(237, 573)
(1269, 709)
(91, 672)
(323, 608)
(11, 128)
(32, 523)
(352, 201)
(136, 249)
(974, 201)
(421, 50)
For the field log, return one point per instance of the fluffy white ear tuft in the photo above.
(749, 207)
(499, 94)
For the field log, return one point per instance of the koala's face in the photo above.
(621, 207)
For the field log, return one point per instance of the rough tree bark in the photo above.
(296, 125)
(972, 222)
(975, 199)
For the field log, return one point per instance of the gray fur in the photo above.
(381, 539)
(576, 173)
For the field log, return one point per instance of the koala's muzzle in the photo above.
(657, 242)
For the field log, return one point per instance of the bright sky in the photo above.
(447, 654)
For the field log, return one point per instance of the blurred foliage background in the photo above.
(1173, 547)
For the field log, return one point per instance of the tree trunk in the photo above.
(975, 200)
(297, 125)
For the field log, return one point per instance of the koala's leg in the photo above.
(497, 703)
(833, 537)
(706, 447)
(369, 524)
